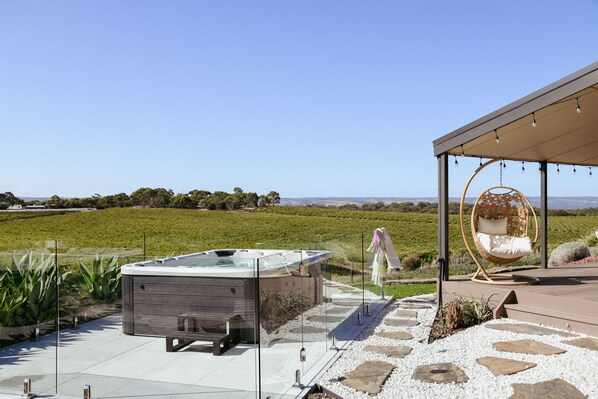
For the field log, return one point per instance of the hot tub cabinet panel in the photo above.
(152, 303)
(156, 301)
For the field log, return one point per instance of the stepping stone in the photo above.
(401, 322)
(586, 343)
(368, 377)
(441, 373)
(399, 335)
(500, 366)
(406, 313)
(343, 303)
(284, 341)
(308, 330)
(423, 298)
(408, 305)
(528, 346)
(396, 351)
(527, 329)
(553, 389)
(325, 319)
(338, 310)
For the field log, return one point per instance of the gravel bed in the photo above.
(577, 366)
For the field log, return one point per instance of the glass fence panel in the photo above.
(311, 302)
(28, 308)
(91, 324)
(178, 326)
(293, 325)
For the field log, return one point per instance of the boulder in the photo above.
(568, 252)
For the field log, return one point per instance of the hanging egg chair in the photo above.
(500, 220)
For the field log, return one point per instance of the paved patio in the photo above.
(116, 365)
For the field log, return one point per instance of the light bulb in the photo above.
(578, 109)
(522, 167)
(557, 169)
(496, 135)
(533, 119)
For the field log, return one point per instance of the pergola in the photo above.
(557, 124)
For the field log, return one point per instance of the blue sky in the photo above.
(307, 98)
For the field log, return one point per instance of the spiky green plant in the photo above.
(9, 304)
(101, 279)
(29, 289)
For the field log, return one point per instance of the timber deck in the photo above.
(566, 297)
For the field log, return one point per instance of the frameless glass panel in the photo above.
(179, 326)
(28, 299)
(292, 317)
(90, 323)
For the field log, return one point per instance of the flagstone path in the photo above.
(370, 376)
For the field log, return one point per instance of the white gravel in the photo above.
(577, 366)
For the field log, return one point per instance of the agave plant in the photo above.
(101, 279)
(9, 304)
(29, 290)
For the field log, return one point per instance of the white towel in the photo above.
(384, 253)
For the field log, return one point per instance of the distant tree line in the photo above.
(155, 198)
(453, 208)
(411, 207)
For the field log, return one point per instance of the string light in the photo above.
(496, 135)
(557, 169)
(456, 162)
(504, 164)
(522, 167)
(574, 171)
(590, 170)
(533, 119)
(480, 161)
(462, 151)
(578, 109)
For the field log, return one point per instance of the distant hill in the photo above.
(553, 202)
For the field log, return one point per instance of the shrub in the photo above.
(29, 290)
(462, 313)
(411, 262)
(101, 279)
(452, 316)
(568, 252)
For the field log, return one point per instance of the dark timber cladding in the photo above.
(566, 133)
(151, 304)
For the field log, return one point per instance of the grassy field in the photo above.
(176, 231)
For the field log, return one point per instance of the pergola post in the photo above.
(443, 214)
(544, 214)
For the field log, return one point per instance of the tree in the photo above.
(151, 197)
(183, 201)
(8, 199)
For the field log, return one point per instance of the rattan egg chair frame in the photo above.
(508, 204)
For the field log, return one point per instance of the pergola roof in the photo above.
(561, 135)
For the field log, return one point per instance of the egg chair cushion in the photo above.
(505, 246)
(492, 226)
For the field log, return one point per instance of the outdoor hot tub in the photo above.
(222, 282)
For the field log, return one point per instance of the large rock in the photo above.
(553, 389)
(568, 252)
(443, 373)
(528, 346)
(368, 377)
(396, 351)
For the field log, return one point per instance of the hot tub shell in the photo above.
(156, 292)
